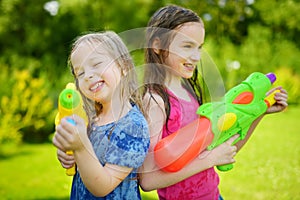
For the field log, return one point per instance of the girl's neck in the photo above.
(112, 112)
(173, 81)
(174, 84)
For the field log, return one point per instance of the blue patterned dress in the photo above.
(124, 143)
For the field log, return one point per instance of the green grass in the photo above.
(268, 167)
(33, 173)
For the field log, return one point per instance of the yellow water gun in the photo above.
(69, 103)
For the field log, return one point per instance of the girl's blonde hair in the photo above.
(113, 44)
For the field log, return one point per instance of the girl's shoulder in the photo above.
(136, 115)
(152, 99)
(134, 120)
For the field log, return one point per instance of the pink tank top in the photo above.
(203, 185)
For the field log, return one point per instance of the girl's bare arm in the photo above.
(99, 180)
(151, 177)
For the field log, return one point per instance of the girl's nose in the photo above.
(196, 55)
(89, 76)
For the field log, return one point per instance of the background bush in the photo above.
(26, 108)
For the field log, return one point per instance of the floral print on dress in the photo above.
(124, 143)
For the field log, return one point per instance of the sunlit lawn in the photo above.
(267, 168)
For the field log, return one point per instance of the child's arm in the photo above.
(152, 177)
(99, 180)
(281, 103)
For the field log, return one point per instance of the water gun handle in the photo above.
(225, 167)
(269, 100)
(71, 171)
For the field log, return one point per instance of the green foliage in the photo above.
(268, 54)
(291, 82)
(282, 17)
(26, 106)
(257, 54)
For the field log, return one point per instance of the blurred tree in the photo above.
(282, 17)
(29, 34)
(224, 18)
(30, 29)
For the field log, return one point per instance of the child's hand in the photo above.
(281, 100)
(222, 154)
(66, 161)
(70, 136)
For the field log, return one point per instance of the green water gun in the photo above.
(217, 122)
(240, 106)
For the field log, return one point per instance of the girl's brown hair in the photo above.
(161, 26)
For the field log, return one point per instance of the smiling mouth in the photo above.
(96, 86)
(189, 66)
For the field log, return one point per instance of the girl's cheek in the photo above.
(82, 87)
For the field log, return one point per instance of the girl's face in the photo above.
(97, 73)
(184, 49)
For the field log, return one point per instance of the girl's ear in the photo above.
(156, 45)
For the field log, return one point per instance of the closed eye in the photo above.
(80, 74)
(187, 46)
(200, 47)
(98, 64)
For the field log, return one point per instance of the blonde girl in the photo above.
(108, 152)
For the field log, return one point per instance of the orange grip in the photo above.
(172, 153)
